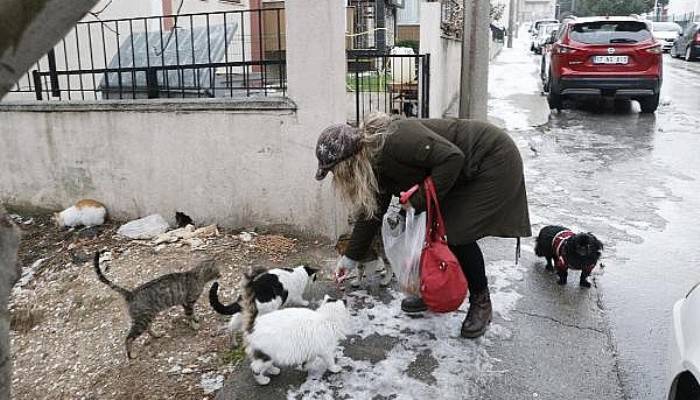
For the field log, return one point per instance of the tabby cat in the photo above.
(147, 300)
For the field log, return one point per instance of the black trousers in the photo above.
(472, 261)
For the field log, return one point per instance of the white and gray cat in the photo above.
(291, 336)
(146, 301)
(273, 289)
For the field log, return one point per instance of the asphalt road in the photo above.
(604, 168)
(631, 179)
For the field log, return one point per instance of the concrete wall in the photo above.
(445, 61)
(234, 163)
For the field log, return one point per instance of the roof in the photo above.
(196, 46)
(605, 18)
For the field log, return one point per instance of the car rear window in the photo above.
(607, 32)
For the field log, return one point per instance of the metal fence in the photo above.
(391, 83)
(219, 54)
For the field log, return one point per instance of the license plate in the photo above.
(610, 60)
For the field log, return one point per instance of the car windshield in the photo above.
(546, 30)
(608, 32)
(666, 27)
(538, 23)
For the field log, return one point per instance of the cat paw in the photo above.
(304, 303)
(262, 379)
(273, 370)
(335, 368)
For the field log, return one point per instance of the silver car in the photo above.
(666, 33)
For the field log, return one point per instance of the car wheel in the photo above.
(672, 52)
(649, 104)
(553, 96)
(688, 55)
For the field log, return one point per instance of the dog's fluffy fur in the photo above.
(580, 252)
(273, 289)
(291, 336)
(373, 263)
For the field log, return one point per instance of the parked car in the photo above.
(534, 28)
(688, 44)
(606, 56)
(666, 33)
(545, 60)
(684, 360)
(543, 34)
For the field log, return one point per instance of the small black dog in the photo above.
(569, 250)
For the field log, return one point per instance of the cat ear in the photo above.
(310, 271)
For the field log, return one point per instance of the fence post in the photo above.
(53, 74)
(37, 84)
(152, 83)
(425, 95)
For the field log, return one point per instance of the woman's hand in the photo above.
(342, 268)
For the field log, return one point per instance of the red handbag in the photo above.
(443, 284)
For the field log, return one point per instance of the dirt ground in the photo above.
(68, 329)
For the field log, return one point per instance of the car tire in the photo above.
(553, 97)
(688, 54)
(649, 104)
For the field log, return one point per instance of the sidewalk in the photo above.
(545, 342)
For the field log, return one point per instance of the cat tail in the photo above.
(124, 292)
(231, 309)
(250, 309)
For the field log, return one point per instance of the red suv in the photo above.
(606, 56)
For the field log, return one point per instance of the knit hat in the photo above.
(335, 144)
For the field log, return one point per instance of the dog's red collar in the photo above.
(557, 244)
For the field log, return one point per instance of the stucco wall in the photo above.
(233, 163)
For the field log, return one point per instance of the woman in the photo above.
(478, 173)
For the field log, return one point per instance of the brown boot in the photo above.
(478, 316)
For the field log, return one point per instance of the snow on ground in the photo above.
(460, 365)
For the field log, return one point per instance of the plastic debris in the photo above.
(144, 228)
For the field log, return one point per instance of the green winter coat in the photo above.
(477, 170)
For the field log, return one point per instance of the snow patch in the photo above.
(462, 365)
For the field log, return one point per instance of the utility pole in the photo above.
(475, 60)
(511, 23)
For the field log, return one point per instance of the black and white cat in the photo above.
(291, 336)
(272, 289)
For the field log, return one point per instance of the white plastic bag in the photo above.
(144, 228)
(403, 239)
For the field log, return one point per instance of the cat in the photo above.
(182, 219)
(86, 212)
(176, 289)
(273, 289)
(372, 263)
(291, 336)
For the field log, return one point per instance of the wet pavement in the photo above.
(631, 179)
(604, 168)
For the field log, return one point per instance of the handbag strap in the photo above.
(436, 224)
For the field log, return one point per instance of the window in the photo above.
(610, 32)
(410, 13)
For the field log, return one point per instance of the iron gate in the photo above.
(396, 84)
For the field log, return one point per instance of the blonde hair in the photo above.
(354, 178)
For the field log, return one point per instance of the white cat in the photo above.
(292, 336)
(273, 289)
(86, 212)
